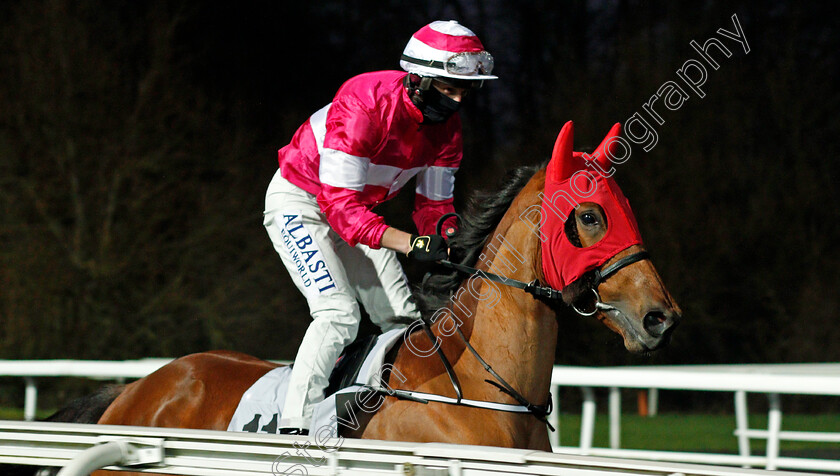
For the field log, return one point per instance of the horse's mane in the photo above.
(484, 212)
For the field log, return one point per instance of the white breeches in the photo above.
(334, 277)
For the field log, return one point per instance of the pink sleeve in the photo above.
(352, 128)
(436, 185)
(427, 212)
(352, 220)
(352, 134)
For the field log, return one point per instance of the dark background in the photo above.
(137, 140)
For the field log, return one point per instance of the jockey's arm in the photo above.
(396, 240)
(426, 248)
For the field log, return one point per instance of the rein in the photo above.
(541, 412)
(535, 288)
(539, 291)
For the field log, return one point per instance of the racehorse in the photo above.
(485, 342)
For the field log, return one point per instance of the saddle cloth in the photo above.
(259, 408)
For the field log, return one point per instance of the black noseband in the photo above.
(601, 275)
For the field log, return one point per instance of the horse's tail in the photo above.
(87, 409)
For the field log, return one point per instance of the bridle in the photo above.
(547, 293)
(535, 288)
(601, 275)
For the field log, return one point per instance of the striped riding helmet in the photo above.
(449, 50)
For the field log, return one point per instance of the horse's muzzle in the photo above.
(658, 323)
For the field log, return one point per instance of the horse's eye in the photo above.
(589, 219)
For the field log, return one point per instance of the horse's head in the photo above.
(592, 249)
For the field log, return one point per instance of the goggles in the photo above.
(468, 64)
(460, 64)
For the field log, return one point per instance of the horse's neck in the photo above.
(511, 330)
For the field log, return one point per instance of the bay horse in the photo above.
(478, 322)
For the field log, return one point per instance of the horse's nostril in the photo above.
(656, 323)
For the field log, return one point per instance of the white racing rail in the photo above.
(80, 449)
(773, 380)
(770, 379)
(118, 370)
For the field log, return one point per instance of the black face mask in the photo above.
(437, 107)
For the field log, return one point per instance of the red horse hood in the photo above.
(573, 178)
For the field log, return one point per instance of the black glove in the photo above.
(428, 248)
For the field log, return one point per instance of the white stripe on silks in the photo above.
(437, 183)
(382, 175)
(403, 178)
(417, 49)
(340, 169)
(343, 170)
(379, 175)
(318, 122)
(390, 177)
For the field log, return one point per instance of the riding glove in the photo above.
(428, 248)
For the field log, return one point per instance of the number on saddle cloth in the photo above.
(349, 364)
(254, 414)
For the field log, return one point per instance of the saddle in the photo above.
(348, 365)
(358, 366)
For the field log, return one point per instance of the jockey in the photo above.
(381, 129)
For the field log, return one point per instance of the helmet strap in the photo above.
(416, 85)
(414, 82)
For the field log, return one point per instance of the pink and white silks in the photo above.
(351, 155)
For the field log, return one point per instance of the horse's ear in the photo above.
(601, 154)
(561, 165)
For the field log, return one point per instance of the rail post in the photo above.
(554, 436)
(774, 428)
(615, 418)
(742, 425)
(587, 421)
(30, 401)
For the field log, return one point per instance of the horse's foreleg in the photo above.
(539, 438)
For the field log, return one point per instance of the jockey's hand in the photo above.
(428, 248)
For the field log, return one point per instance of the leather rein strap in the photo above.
(547, 292)
(539, 411)
(534, 288)
(537, 290)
